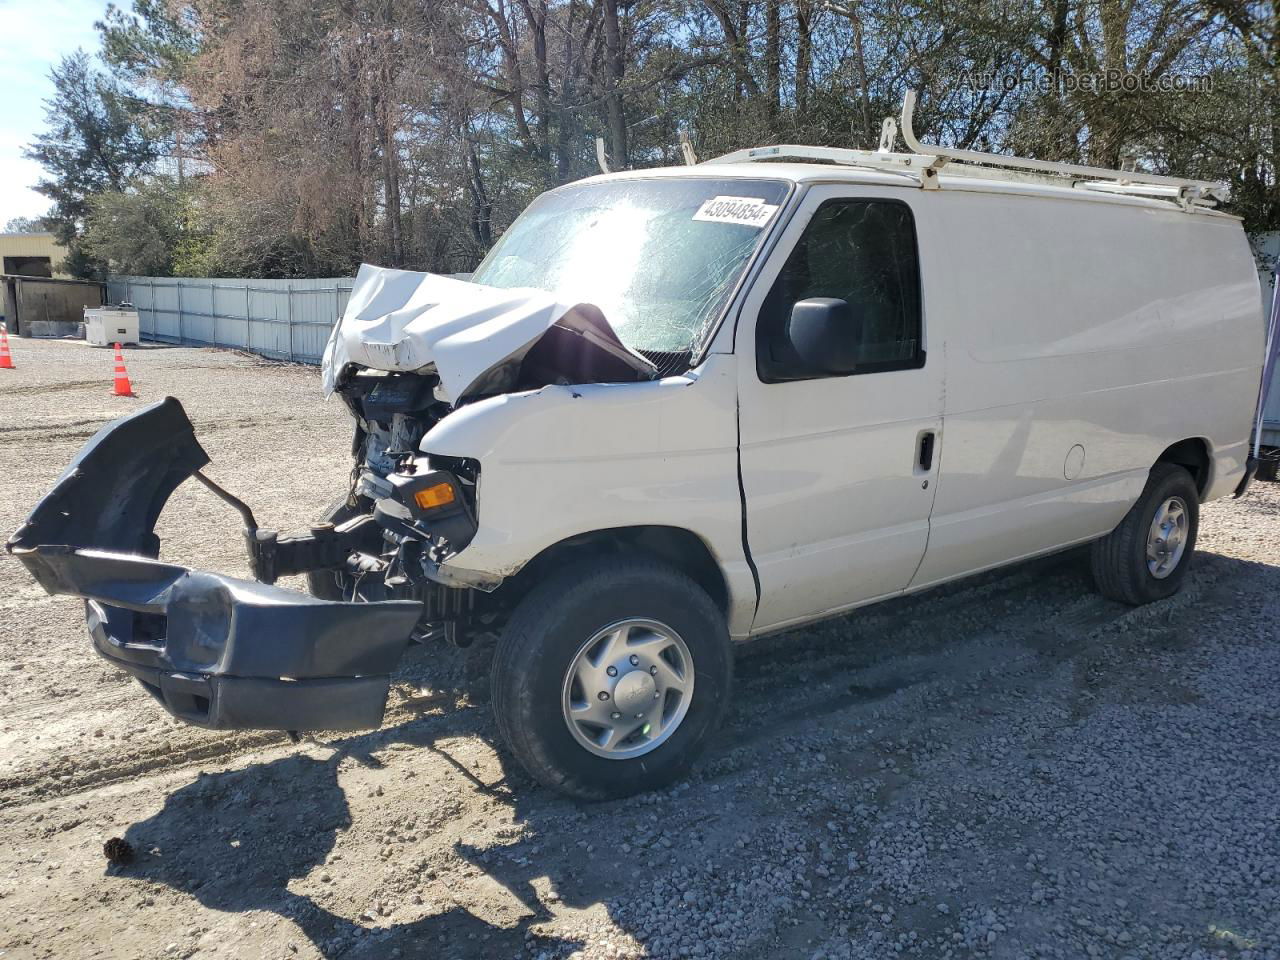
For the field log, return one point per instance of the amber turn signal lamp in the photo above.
(436, 495)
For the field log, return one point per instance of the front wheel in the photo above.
(611, 677)
(1146, 556)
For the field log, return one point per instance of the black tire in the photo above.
(1119, 559)
(329, 584)
(544, 635)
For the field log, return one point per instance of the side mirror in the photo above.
(825, 334)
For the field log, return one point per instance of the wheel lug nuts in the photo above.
(635, 661)
(639, 716)
(656, 695)
(612, 671)
(653, 671)
(604, 694)
(615, 716)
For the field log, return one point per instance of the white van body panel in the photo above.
(1082, 339)
(567, 460)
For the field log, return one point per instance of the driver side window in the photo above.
(862, 252)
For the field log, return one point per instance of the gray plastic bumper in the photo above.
(216, 651)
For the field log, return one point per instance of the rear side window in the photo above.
(862, 252)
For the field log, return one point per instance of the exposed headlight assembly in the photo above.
(431, 505)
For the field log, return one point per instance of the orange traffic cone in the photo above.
(6, 360)
(122, 387)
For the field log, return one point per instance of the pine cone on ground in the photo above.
(118, 851)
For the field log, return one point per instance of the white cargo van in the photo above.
(679, 408)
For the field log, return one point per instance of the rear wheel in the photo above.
(611, 677)
(1146, 556)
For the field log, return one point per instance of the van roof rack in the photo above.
(926, 159)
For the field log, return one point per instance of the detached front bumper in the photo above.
(216, 651)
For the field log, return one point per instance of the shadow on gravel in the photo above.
(234, 841)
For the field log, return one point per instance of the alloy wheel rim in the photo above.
(628, 688)
(1167, 538)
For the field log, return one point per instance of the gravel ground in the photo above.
(1011, 767)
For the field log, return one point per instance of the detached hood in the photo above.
(477, 339)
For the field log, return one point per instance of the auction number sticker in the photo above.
(747, 211)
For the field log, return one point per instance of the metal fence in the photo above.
(281, 319)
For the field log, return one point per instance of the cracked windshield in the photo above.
(659, 257)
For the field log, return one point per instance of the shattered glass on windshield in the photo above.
(655, 256)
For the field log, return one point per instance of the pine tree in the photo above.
(94, 141)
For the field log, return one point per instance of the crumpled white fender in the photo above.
(408, 321)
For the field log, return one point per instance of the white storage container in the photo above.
(104, 326)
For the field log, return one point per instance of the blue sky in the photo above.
(34, 35)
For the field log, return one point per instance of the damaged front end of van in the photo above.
(577, 331)
(229, 653)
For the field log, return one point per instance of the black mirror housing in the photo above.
(825, 334)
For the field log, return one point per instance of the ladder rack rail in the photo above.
(1193, 188)
(926, 160)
